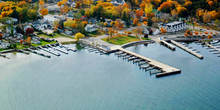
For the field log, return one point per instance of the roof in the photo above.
(174, 23)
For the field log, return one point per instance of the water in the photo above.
(89, 81)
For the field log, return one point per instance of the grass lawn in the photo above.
(54, 36)
(21, 46)
(96, 33)
(3, 49)
(123, 39)
(43, 43)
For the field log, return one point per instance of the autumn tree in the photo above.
(162, 30)
(139, 13)
(137, 31)
(79, 36)
(207, 17)
(196, 33)
(28, 32)
(135, 21)
(1, 36)
(148, 8)
(209, 36)
(44, 11)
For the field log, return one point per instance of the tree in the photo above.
(135, 21)
(217, 22)
(1, 36)
(79, 36)
(137, 31)
(196, 33)
(148, 8)
(182, 11)
(32, 14)
(28, 32)
(139, 13)
(150, 15)
(68, 23)
(155, 20)
(209, 36)
(150, 22)
(110, 31)
(206, 17)
(44, 11)
(162, 30)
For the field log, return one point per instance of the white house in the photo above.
(173, 26)
(90, 28)
(117, 2)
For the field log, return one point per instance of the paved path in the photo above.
(64, 39)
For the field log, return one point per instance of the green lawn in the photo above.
(43, 43)
(96, 33)
(3, 49)
(21, 46)
(54, 36)
(123, 39)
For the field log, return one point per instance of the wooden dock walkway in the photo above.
(170, 46)
(187, 49)
(215, 49)
(165, 69)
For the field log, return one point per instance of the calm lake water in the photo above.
(89, 81)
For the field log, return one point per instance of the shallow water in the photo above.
(89, 81)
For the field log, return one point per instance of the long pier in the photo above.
(165, 69)
(187, 49)
(170, 46)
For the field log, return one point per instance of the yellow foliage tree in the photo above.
(79, 36)
(148, 8)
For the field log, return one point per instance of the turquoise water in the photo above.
(89, 81)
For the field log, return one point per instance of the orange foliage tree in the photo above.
(209, 36)
(139, 13)
(162, 30)
(196, 33)
(44, 11)
(135, 21)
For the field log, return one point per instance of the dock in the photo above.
(38, 53)
(187, 49)
(170, 46)
(53, 53)
(22, 51)
(215, 49)
(149, 64)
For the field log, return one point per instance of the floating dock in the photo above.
(215, 49)
(170, 46)
(151, 64)
(187, 49)
(38, 53)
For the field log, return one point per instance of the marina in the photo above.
(187, 49)
(151, 64)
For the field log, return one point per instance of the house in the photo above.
(117, 2)
(83, 18)
(12, 21)
(108, 21)
(53, 8)
(68, 32)
(156, 13)
(92, 20)
(49, 19)
(73, 4)
(91, 28)
(173, 26)
(148, 31)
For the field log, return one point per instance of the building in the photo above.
(174, 26)
(90, 28)
(118, 2)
